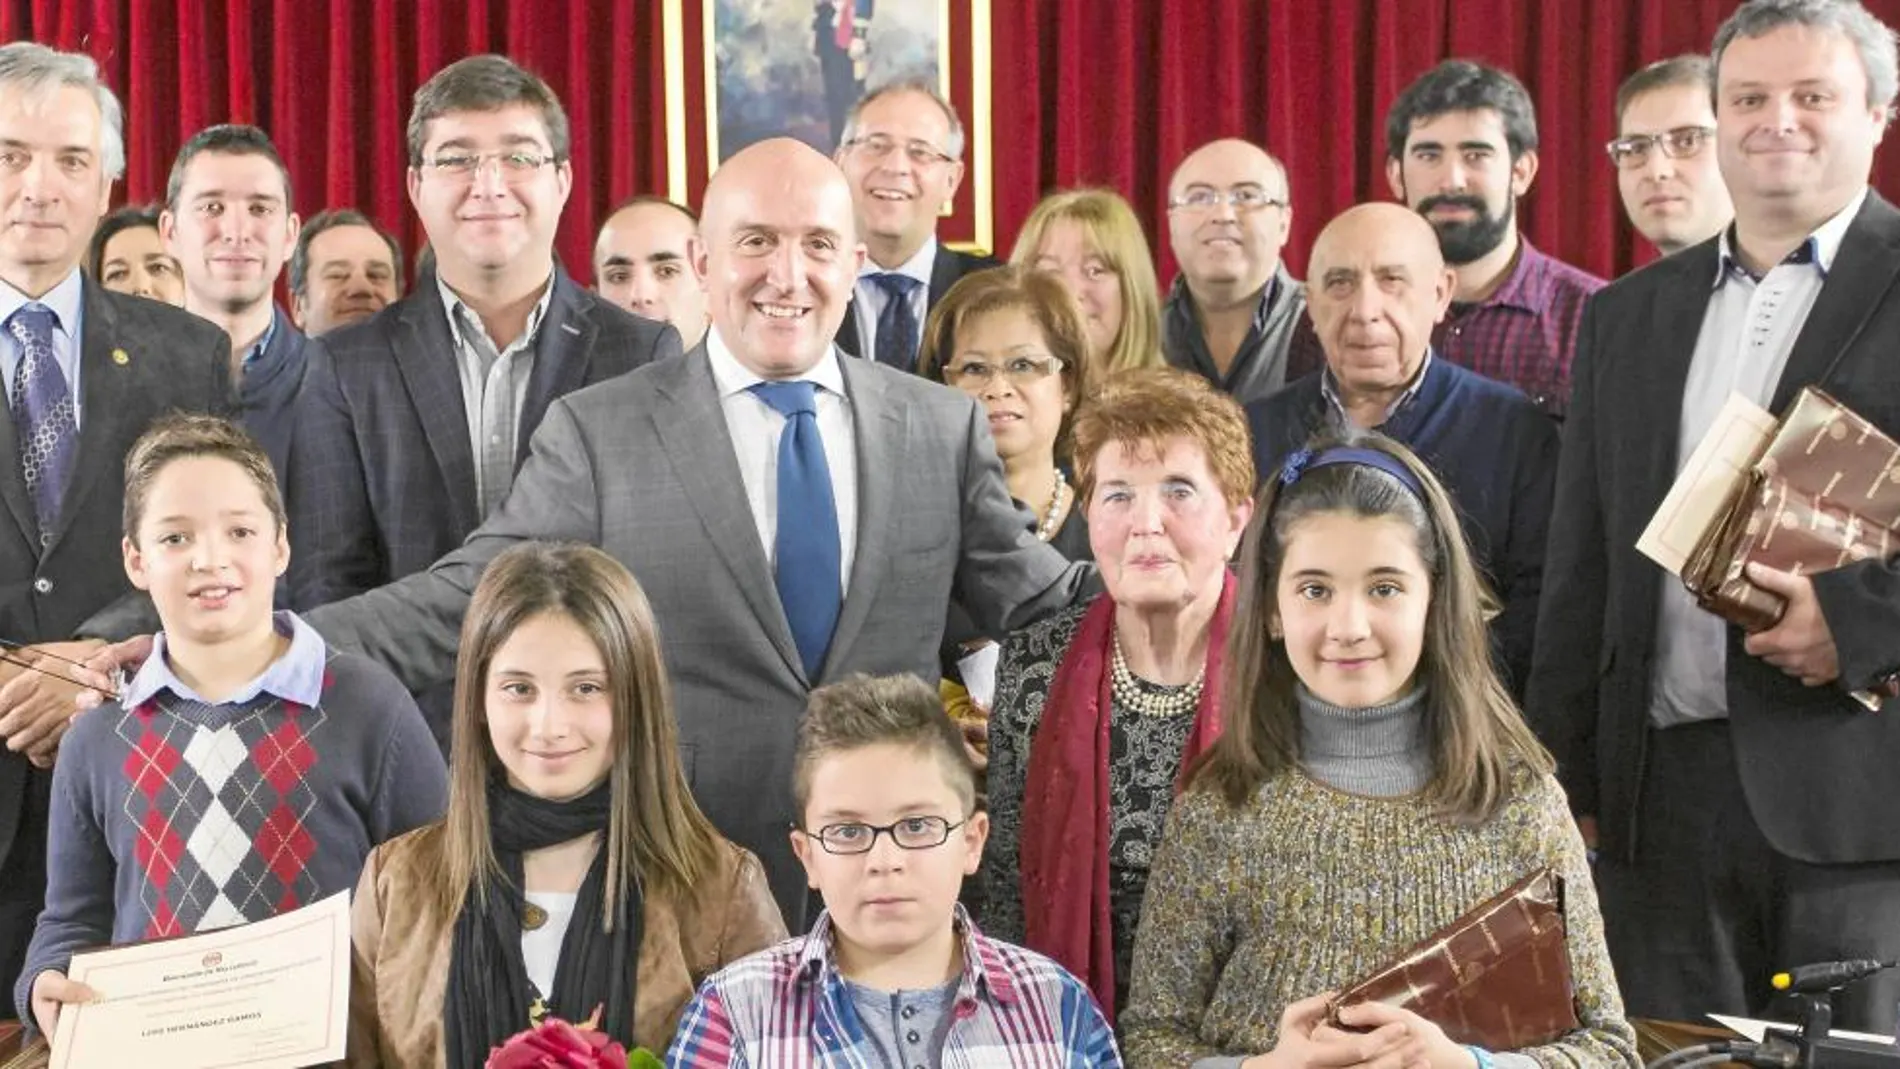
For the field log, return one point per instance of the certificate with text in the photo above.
(269, 995)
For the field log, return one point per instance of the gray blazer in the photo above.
(643, 466)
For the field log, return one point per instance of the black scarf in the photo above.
(488, 991)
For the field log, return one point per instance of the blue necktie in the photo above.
(807, 570)
(43, 426)
(897, 324)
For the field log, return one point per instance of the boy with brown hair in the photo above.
(893, 971)
(246, 769)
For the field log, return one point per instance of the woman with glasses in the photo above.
(1092, 241)
(1098, 709)
(1012, 338)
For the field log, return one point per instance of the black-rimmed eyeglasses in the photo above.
(911, 833)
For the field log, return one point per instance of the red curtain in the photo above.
(331, 81)
(1085, 91)
(1117, 93)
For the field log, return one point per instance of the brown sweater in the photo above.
(401, 944)
(1306, 889)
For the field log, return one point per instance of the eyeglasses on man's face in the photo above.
(515, 165)
(879, 147)
(1020, 370)
(1681, 143)
(1207, 198)
(910, 833)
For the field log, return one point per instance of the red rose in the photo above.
(555, 1044)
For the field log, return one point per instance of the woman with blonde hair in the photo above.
(574, 873)
(1091, 239)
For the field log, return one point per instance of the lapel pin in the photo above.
(121, 357)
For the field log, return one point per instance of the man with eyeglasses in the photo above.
(903, 155)
(1665, 163)
(1742, 801)
(1377, 286)
(412, 423)
(1231, 313)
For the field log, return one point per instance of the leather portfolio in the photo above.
(1825, 492)
(1497, 977)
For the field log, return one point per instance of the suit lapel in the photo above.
(426, 359)
(944, 272)
(879, 421)
(103, 382)
(691, 424)
(1658, 381)
(1864, 269)
(560, 357)
(850, 337)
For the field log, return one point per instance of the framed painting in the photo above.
(741, 71)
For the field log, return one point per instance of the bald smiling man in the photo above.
(673, 470)
(1232, 311)
(1377, 284)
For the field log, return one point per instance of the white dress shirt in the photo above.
(871, 296)
(1748, 333)
(755, 428)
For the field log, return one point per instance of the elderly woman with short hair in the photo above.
(1099, 708)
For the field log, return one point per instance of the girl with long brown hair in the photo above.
(574, 872)
(1374, 782)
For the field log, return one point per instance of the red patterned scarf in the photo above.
(1064, 852)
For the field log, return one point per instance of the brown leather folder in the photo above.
(1497, 977)
(1824, 493)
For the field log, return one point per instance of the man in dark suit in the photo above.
(412, 423)
(1743, 802)
(228, 221)
(85, 372)
(903, 154)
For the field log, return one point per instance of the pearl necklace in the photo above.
(1145, 701)
(1047, 528)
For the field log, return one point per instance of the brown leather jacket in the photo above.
(401, 950)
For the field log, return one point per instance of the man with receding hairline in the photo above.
(793, 516)
(1741, 797)
(641, 263)
(1231, 313)
(1377, 285)
(902, 151)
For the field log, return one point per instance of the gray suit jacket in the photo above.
(643, 466)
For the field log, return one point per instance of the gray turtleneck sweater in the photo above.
(1377, 752)
(1380, 751)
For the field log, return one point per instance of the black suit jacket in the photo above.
(138, 360)
(949, 266)
(1818, 771)
(385, 476)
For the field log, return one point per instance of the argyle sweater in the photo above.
(177, 816)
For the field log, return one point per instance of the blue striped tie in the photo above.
(44, 430)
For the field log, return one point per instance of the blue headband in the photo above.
(1305, 460)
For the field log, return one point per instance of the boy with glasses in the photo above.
(893, 972)
(1671, 186)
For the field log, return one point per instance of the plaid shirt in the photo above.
(1524, 334)
(787, 1007)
